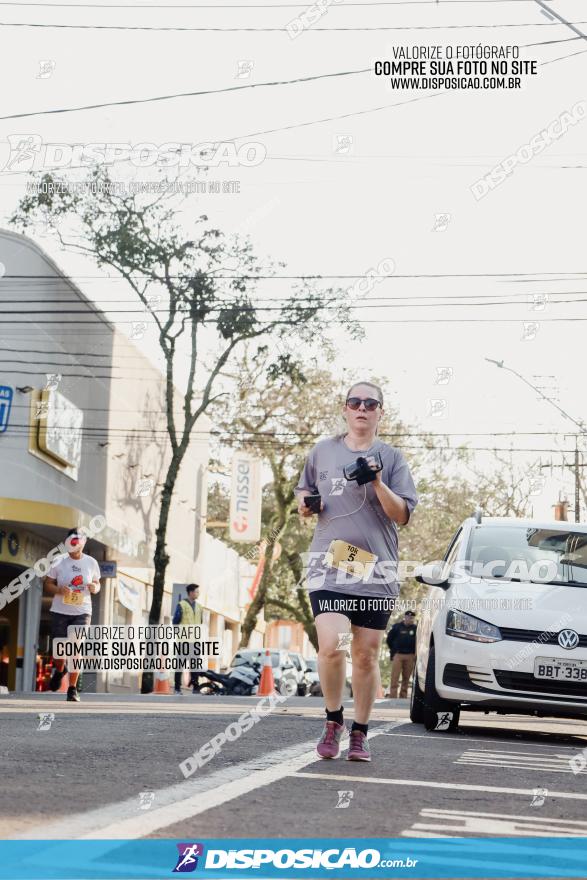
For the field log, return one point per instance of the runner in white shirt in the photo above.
(71, 581)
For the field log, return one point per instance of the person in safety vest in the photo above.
(187, 613)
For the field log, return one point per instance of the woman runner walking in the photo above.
(365, 490)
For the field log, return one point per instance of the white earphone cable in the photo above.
(320, 525)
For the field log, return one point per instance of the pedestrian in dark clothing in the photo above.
(401, 640)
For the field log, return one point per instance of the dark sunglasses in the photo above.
(370, 403)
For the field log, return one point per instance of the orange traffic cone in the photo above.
(161, 683)
(267, 683)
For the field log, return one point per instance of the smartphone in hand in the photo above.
(313, 502)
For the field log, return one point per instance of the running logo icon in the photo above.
(187, 860)
(344, 799)
(444, 719)
(23, 152)
(539, 795)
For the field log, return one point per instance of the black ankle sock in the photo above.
(362, 727)
(335, 716)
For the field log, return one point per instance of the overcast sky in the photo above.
(336, 197)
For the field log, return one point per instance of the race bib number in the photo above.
(350, 558)
(73, 598)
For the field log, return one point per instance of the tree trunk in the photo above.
(255, 607)
(161, 557)
(297, 569)
(308, 621)
(260, 596)
(303, 615)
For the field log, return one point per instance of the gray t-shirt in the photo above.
(354, 515)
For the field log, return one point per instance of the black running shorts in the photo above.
(366, 611)
(60, 622)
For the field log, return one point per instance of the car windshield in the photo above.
(526, 553)
(253, 656)
(312, 665)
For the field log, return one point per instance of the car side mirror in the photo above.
(433, 574)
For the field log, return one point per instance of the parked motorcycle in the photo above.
(242, 681)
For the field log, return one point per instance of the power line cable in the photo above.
(554, 14)
(549, 42)
(571, 25)
(250, 134)
(380, 302)
(258, 307)
(357, 319)
(71, 354)
(563, 57)
(460, 299)
(166, 6)
(378, 28)
(137, 434)
(414, 100)
(199, 93)
(162, 414)
(318, 276)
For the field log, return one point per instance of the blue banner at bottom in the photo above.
(368, 858)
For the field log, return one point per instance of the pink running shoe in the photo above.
(359, 747)
(329, 743)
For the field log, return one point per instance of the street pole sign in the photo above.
(108, 569)
(245, 498)
(6, 394)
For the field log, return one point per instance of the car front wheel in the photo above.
(288, 687)
(437, 714)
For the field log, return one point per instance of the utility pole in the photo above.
(576, 470)
(565, 415)
(577, 502)
(577, 466)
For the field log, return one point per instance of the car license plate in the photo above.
(560, 670)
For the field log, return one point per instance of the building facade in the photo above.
(82, 435)
(289, 635)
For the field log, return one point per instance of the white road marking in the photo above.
(451, 786)
(490, 739)
(543, 761)
(179, 802)
(464, 822)
(426, 834)
(186, 705)
(165, 707)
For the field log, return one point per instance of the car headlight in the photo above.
(465, 626)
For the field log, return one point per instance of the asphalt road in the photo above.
(109, 768)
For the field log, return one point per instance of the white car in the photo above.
(315, 689)
(504, 624)
(302, 670)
